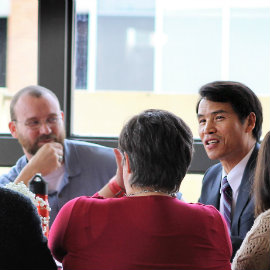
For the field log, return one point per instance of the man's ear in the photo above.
(251, 121)
(62, 115)
(127, 162)
(13, 129)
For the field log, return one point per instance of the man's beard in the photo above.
(32, 148)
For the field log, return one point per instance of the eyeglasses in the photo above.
(36, 124)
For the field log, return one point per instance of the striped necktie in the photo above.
(227, 201)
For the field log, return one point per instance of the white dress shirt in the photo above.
(234, 178)
(54, 179)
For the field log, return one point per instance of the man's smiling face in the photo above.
(221, 131)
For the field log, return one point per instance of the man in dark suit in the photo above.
(230, 122)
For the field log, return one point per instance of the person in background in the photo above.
(254, 252)
(22, 243)
(230, 123)
(71, 168)
(148, 227)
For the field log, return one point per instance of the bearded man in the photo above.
(71, 168)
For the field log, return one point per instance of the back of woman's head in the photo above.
(262, 177)
(159, 146)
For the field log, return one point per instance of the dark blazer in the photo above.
(244, 210)
(22, 243)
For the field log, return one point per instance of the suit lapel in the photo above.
(244, 194)
(214, 197)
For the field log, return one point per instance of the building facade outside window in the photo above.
(156, 54)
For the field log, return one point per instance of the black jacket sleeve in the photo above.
(22, 243)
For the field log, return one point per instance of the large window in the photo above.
(112, 59)
(134, 54)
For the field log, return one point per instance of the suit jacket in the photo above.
(243, 217)
(88, 167)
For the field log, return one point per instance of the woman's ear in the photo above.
(127, 162)
(118, 158)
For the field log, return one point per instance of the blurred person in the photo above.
(254, 252)
(70, 167)
(147, 228)
(230, 123)
(22, 243)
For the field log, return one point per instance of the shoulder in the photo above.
(87, 200)
(21, 162)
(82, 204)
(89, 160)
(203, 209)
(13, 197)
(260, 228)
(215, 169)
(198, 211)
(211, 185)
(76, 209)
(265, 214)
(89, 156)
(86, 147)
(212, 173)
(11, 175)
(16, 204)
(208, 217)
(79, 202)
(263, 220)
(18, 210)
(254, 251)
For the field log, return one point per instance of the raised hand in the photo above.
(47, 159)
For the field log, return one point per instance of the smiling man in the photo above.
(230, 122)
(70, 167)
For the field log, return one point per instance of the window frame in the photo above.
(3, 51)
(55, 54)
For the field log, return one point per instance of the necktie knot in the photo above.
(225, 184)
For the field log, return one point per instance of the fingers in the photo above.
(58, 152)
(52, 149)
(52, 153)
(58, 147)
